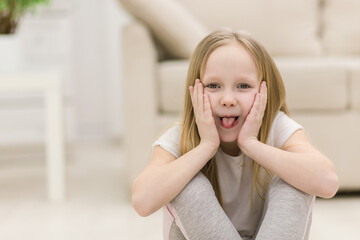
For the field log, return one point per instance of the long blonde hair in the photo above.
(267, 71)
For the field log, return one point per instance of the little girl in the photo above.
(237, 167)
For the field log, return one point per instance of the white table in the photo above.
(51, 85)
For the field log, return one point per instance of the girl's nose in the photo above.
(228, 100)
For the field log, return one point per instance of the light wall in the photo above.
(81, 40)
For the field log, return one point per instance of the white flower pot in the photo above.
(10, 52)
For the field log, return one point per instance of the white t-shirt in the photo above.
(235, 174)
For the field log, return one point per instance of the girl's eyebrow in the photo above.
(241, 78)
(211, 77)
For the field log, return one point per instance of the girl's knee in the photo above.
(197, 189)
(287, 210)
(281, 191)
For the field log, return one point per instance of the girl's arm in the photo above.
(297, 162)
(164, 178)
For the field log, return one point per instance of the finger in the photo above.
(191, 90)
(264, 96)
(255, 114)
(257, 101)
(200, 97)
(263, 88)
(194, 98)
(261, 97)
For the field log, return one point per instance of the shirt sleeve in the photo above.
(282, 128)
(170, 141)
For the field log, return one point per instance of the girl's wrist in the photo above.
(209, 148)
(247, 146)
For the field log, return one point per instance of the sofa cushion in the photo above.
(315, 83)
(341, 33)
(284, 27)
(311, 84)
(177, 30)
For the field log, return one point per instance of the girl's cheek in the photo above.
(248, 102)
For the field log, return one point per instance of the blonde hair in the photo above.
(267, 71)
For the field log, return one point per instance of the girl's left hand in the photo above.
(250, 128)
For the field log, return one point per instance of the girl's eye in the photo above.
(244, 86)
(213, 85)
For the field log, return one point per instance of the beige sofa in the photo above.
(315, 43)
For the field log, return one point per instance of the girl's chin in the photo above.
(228, 139)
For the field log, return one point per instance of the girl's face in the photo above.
(231, 81)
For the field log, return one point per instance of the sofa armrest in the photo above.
(176, 28)
(139, 66)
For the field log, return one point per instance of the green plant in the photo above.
(12, 10)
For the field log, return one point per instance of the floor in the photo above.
(97, 206)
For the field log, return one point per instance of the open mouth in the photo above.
(229, 122)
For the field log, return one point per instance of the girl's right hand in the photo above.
(203, 116)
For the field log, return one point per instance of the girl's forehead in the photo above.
(233, 58)
(230, 49)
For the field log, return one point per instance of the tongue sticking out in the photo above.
(228, 122)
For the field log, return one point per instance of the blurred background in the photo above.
(78, 42)
(64, 170)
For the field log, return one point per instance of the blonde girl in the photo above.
(237, 167)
